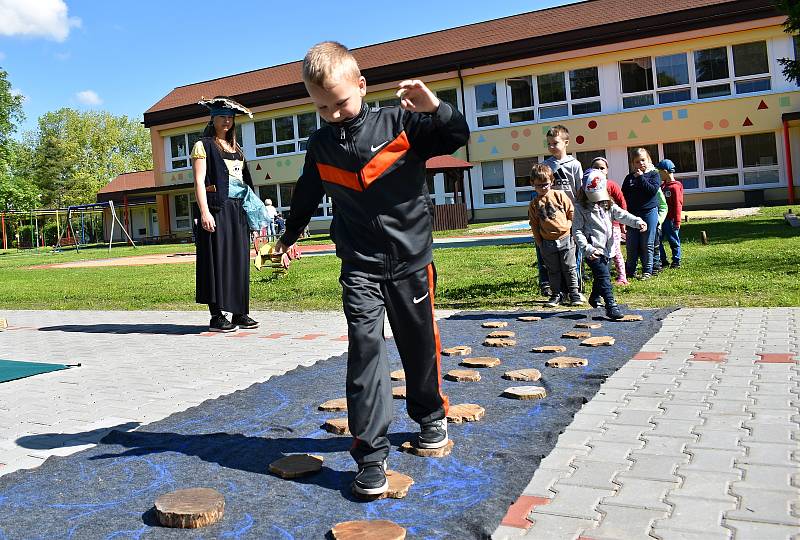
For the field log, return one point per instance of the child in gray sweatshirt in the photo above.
(594, 234)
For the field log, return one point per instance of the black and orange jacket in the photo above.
(373, 168)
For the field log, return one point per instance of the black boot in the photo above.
(613, 312)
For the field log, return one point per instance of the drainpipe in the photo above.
(469, 171)
(790, 172)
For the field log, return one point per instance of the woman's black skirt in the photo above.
(223, 260)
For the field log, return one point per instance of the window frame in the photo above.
(296, 141)
(188, 157)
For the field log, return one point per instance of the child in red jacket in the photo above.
(670, 230)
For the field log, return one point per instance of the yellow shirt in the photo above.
(234, 165)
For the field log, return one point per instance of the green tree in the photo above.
(10, 115)
(791, 68)
(76, 153)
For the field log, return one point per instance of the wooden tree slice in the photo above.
(370, 529)
(529, 318)
(575, 334)
(598, 341)
(427, 452)
(525, 392)
(463, 375)
(190, 508)
(588, 325)
(502, 334)
(296, 466)
(338, 404)
(399, 392)
(549, 349)
(499, 342)
(337, 426)
(458, 350)
(480, 361)
(399, 484)
(494, 324)
(398, 375)
(529, 374)
(3, 324)
(627, 318)
(465, 412)
(566, 362)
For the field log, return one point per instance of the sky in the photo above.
(124, 56)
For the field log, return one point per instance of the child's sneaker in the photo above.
(371, 478)
(433, 434)
(220, 323)
(553, 300)
(676, 263)
(622, 282)
(596, 301)
(646, 276)
(576, 299)
(613, 312)
(545, 289)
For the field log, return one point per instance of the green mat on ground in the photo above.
(11, 369)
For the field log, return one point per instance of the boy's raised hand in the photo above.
(415, 96)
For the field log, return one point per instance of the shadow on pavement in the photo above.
(48, 441)
(162, 329)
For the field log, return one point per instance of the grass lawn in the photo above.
(752, 261)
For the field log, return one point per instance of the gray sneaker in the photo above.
(433, 434)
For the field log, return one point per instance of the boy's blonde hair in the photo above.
(558, 131)
(641, 151)
(329, 62)
(540, 172)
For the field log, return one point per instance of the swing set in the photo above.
(92, 210)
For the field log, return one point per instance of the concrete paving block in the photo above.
(605, 408)
(667, 379)
(573, 501)
(680, 411)
(722, 440)
(612, 452)
(765, 506)
(773, 389)
(783, 433)
(504, 532)
(621, 433)
(653, 467)
(542, 480)
(560, 458)
(735, 381)
(731, 394)
(663, 446)
(592, 423)
(726, 406)
(763, 453)
(723, 422)
(707, 485)
(688, 398)
(687, 385)
(665, 427)
(644, 403)
(651, 390)
(760, 531)
(556, 527)
(712, 460)
(621, 523)
(634, 417)
(574, 439)
(617, 395)
(664, 533)
(694, 515)
(593, 474)
(768, 477)
(619, 382)
(640, 493)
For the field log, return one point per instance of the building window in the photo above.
(750, 61)
(493, 182)
(522, 178)
(667, 83)
(652, 149)
(486, 105)
(586, 157)
(684, 155)
(284, 134)
(636, 77)
(520, 99)
(552, 89)
(744, 160)
(183, 213)
(449, 95)
(180, 146)
(584, 91)
(760, 159)
(750, 71)
(672, 78)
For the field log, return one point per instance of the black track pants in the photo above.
(409, 304)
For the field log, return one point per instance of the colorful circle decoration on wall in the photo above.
(708, 125)
(514, 133)
(526, 132)
(592, 124)
(279, 163)
(723, 123)
(515, 147)
(579, 139)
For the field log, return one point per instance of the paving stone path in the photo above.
(697, 437)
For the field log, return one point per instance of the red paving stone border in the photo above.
(340, 338)
(704, 356)
(517, 514)
(647, 355)
(241, 334)
(309, 337)
(776, 358)
(274, 336)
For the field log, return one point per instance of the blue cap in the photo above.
(666, 165)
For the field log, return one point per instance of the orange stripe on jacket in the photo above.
(335, 175)
(445, 401)
(384, 159)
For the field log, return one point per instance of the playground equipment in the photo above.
(92, 209)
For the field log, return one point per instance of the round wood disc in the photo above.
(566, 362)
(399, 392)
(598, 341)
(529, 374)
(398, 375)
(458, 350)
(499, 342)
(296, 465)
(399, 484)
(190, 508)
(575, 334)
(494, 324)
(502, 334)
(525, 392)
(3, 324)
(529, 318)
(337, 426)
(338, 404)
(628, 318)
(549, 349)
(463, 375)
(588, 325)
(370, 529)
(480, 361)
(427, 452)
(465, 412)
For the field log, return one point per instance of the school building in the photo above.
(696, 81)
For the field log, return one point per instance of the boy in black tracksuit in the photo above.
(372, 164)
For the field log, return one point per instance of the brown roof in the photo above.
(446, 162)
(130, 181)
(467, 46)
